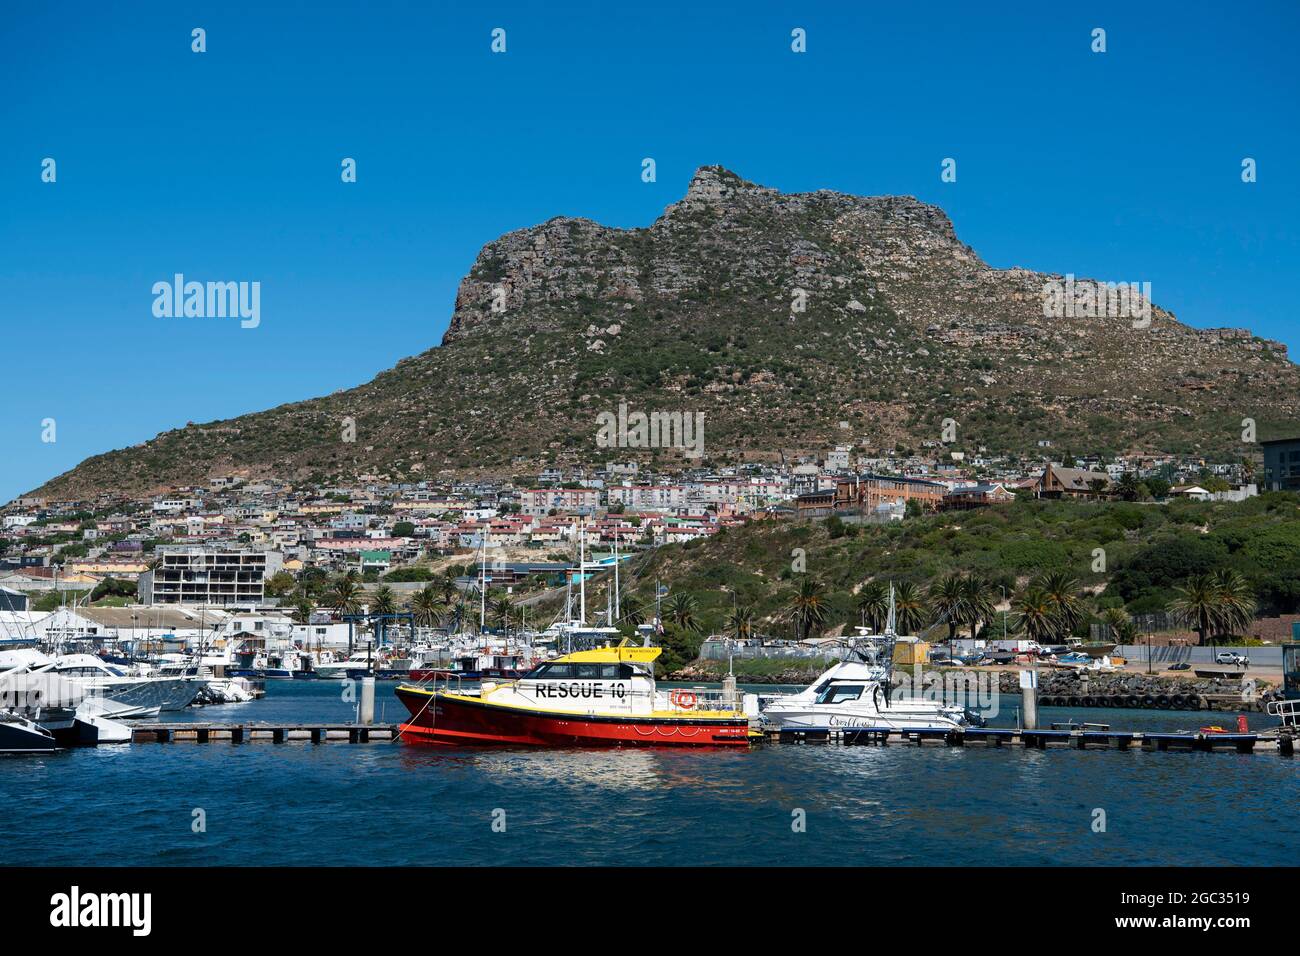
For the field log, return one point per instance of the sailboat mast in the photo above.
(582, 573)
(482, 582)
(617, 615)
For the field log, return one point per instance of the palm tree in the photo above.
(632, 609)
(740, 622)
(873, 605)
(425, 606)
(302, 610)
(383, 602)
(449, 588)
(909, 608)
(1036, 615)
(681, 612)
(1119, 624)
(1128, 486)
(345, 596)
(1197, 605)
(980, 606)
(1236, 602)
(807, 608)
(504, 611)
(1063, 592)
(948, 602)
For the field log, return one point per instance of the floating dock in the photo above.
(1043, 739)
(275, 733)
(1270, 741)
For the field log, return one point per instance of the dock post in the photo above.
(367, 701)
(1029, 695)
(730, 700)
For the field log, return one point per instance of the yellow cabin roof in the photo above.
(612, 655)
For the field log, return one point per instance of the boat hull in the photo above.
(441, 718)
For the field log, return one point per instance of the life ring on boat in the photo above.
(684, 699)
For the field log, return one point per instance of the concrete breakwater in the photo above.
(1071, 688)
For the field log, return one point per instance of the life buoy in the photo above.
(684, 699)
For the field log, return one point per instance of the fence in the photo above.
(718, 651)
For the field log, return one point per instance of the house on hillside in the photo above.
(1058, 482)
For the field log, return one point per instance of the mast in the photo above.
(616, 608)
(582, 574)
(482, 581)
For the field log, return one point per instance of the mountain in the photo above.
(902, 327)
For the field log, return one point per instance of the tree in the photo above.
(1128, 487)
(740, 622)
(1196, 605)
(1120, 625)
(632, 609)
(681, 612)
(302, 608)
(873, 605)
(979, 605)
(427, 606)
(1036, 615)
(1236, 603)
(280, 584)
(948, 602)
(403, 529)
(345, 596)
(909, 608)
(808, 607)
(1062, 591)
(384, 601)
(503, 609)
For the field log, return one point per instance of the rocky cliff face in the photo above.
(791, 322)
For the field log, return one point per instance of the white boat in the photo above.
(856, 694)
(101, 679)
(61, 708)
(18, 735)
(338, 670)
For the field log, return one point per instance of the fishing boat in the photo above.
(605, 697)
(856, 694)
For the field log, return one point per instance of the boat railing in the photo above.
(1287, 710)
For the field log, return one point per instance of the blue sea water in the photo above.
(342, 804)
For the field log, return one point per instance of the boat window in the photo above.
(553, 672)
(840, 694)
(589, 671)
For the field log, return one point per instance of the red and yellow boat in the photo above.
(598, 698)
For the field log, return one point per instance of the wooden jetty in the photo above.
(275, 733)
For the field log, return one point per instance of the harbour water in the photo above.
(367, 804)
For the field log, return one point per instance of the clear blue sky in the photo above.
(225, 165)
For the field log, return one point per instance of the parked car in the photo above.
(1233, 658)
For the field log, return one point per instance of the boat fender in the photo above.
(1131, 701)
(1148, 701)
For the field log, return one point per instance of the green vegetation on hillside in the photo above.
(1125, 557)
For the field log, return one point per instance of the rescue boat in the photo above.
(596, 698)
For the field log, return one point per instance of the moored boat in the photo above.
(597, 698)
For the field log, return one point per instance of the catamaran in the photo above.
(604, 697)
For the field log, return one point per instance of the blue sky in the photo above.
(225, 166)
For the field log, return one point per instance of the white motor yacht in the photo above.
(101, 679)
(856, 695)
